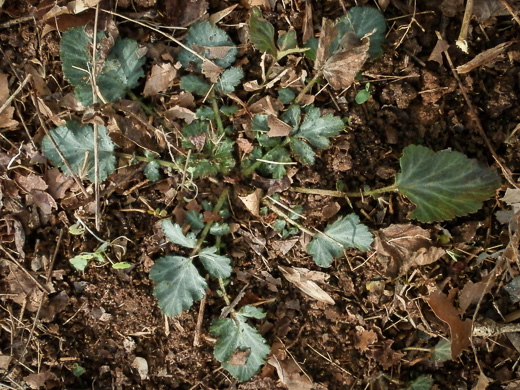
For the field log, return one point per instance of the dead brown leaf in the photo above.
(184, 12)
(342, 67)
(6, 116)
(308, 27)
(460, 331)
(440, 47)
(364, 338)
(211, 71)
(290, 374)
(239, 358)
(252, 202)
(483, 382)
(305, 279)
(327, 35)
(160, 80)
(277, 127)
(44, 379)
(245, 145)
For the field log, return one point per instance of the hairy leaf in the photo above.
(302, 151)
(174, 233)
(236, 337)
(346, 232)
(421, 383)
(194, 84)
(178, 284)
(210, 42)
(229, 80)
(318, 129)
(362, 21)
(261, 33)
(217, 266)
(120, 71)
(444, 185)
(76, 142)
(151, 171)
(194, 219)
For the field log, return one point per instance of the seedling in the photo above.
(363, 95)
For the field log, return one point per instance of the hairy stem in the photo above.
(218, 119)
(340, 194)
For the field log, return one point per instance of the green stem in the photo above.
(340, 194)
(146, 109)
(308, 86)
(218, 119)
(248, 171)
(163, 163)
(221, 199)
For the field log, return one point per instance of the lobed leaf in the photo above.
(178, 284)
(151, 171)
(194, 84)
(217, 266)
(76, 142)
(235, 337)
(444, 185)
(174, 233)
(318, 129)
(346, 232)
(229, 80)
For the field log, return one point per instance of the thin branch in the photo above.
(15, 93)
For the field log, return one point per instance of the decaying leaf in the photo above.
(277, 127)
(161, 78)
(252, 202)
(305, 279)
(364, 338)
(342, 67)
(290, 374)
(6, 116)
(483, 58)
(460, 331)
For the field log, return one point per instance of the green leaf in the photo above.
(421, 383)
(444, 185)
(362, 96)
(229, 110)
(76, 142)
(229, 80)
(219, 229)
(178, 284)
(194, 219)
(276, 155)
(151, 171)
(312, 45)
(201, 38)
(362, 21)
(292, 116)
(77, 370)
(79, 262)
(279, 225)
(442, 351)
(302, 151)
(318, 129)
(205, 113)
(288, 40)
(251, 312)
(194, 84)
(346, 232)
(217, 266)
(236, 336)
(261, 33)
(121, 265)
(174, 233)
(75, 56)
(286, 95)
(121, 70)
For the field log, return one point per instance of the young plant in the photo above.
(296, 133)
(240, 348)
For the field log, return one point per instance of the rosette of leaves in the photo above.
(307, 131)
(119, 71)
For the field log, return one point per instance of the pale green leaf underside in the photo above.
(217, 266)
(229, 80)
(444, 185)
(178, 284)
(174, 233)
(151, 171)
(76, 142)
(239, 336)
(442, 351)
(346, 232)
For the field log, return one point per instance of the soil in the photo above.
(382, 330)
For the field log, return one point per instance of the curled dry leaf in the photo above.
(343, 66)
(290, 374)
(305, 279)
(252, 202)
(277, 127)
(460, 331)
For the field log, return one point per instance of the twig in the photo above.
(461, 40)
(18, 90)
(511, 11)
(232, 305)
(200, 318)
(505, 171)
(53, 259)
(283, 215)
(341, 194)
(96, 126)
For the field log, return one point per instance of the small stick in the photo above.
(53, 259)
(511, 11)
(461, 40)
(96, 126)
(200, 318)
(18, 90)
(505, 171)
